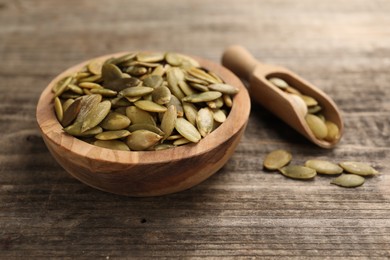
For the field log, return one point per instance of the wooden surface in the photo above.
(341, 46)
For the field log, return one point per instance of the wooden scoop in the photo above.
(284, 105)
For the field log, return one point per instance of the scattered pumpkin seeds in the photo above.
(277, 159)
(359, 168)
(142, 101)
(298, 172)
(324, 167)
(348, 180)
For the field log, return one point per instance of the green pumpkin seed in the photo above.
(359, 168)
(219, 115)
(150, 106)
(298, 172)
(67, 104)
(96, 115)
(139, 116)
(136, 70)
(124, 58)
(223, 88)
(75, 130)
(200, 74)
(136, 91)
(185, 88)
(161, 95)
(188, 61)
(214, 104)
(112, 135)
(168, 121)
(71, 113)
(153, 81)
(111, 72)
(93, 78)
(75, 89)
(58, 109)
(317, 126)
(204, 121)
(150, 56)
(309, 101)
(203, 97)
(179, 106)
(122, 83)
(62, 86)
(90, 85)
(80, 75)
(190, 112)
(158, 71)
(200, 87)
(149, 127)
(187, 130)
(95, 67)
(216, 77)
(280, 83)
(277, 159)
(333, 131)
(160, 147)
(104, 92)
(181, 141)
(228, 101)
(174, 137)
(87, 103)
(348, 181)
(324, 167)
(115, 121)
(173, 82)
(112, 144)
(142, 140)
(173, 59)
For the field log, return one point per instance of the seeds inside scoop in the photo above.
(144, 101)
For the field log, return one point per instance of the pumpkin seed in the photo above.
(161, 95)
(179, 106)
(280, 83)
(188, 61)
(153, 81)
(96, 115)
(203, 97)
(111, 72)
(75, 89)
(309, 101)
(150, 56)
(219, 115)
(204, 121)
(58, 109)
(67, 104)
(277, 159)
(200, 74)
(93, 78)
(298, 172)
(149, 106)
(104, 92)
(112, 144)
(174, 137)
(112, 135)
(173, 59)
(190, 112)
(136, 91)
(62, 86)
(223, 88)
(292, 90)
(87, 103)
(149, 127)
(181, 141)
(324, 167)
(173, 83)
(200, 87)
(314, 109)
(142, 140)
(158, 71)
(124, 58)
(136, 70)
(139, 116)
(227, 100)
(71, 112)
(75, 130)
(299, 104)
(359, 168)
(185, 88)
(168, 121)
(80, 75)
(115, 121)
(187, 130)
(333, 131)
(160, 147)
(348, 181)
(215, 76)
(95, 67)
(317, 126)
(90, 85)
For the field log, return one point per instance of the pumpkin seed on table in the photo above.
(277, 159)
(324, 167)
(348, 181)
(298, 172)
(359, 168)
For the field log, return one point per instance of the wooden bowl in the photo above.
(146, 173)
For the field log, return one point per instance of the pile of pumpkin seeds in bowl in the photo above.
(321, 127)
(142, 101)
(351, 174)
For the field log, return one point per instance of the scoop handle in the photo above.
(240, 61)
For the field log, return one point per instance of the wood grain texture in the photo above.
(241, 212)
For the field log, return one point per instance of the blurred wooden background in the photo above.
(241, 212)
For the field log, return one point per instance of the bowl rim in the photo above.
(52, 129)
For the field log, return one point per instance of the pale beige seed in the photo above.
(161, 95)
(333, 131)
(200, 87)
(203, 97)
(324, 167)
(348, 181)
(112, 144)
(168, 121)
(150, 56)
(96, 115)
(299, 104)
(139, 116)
(309, 101)
(174, 137)
(58, 109)
(67, 104)
(190, 112)
(223, 88)
(227, 100)
(142, 140)
(158, 71)
(149, 127)
(115, 121)
(112, 135)
(359, 168)
(179, 106)
(292, 90)
(136, 91)
(317, 126)
(298, 172)
(185, 88)
(187, 130)
(149, 106)
(62, 86)
(153, 81)
(277, 159)
(204, 121)
(104, 92)
(219, 115)
(200, 74)
(173, 59)
(90, 85)
(314, 109)
(216, 77)
(280, 83)
(95, 67)
(214, 104)
(322, 117)
(75, 89)
(188, 60)
(71, 112)
(181, 141)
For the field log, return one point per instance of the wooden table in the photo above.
(241, 212)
